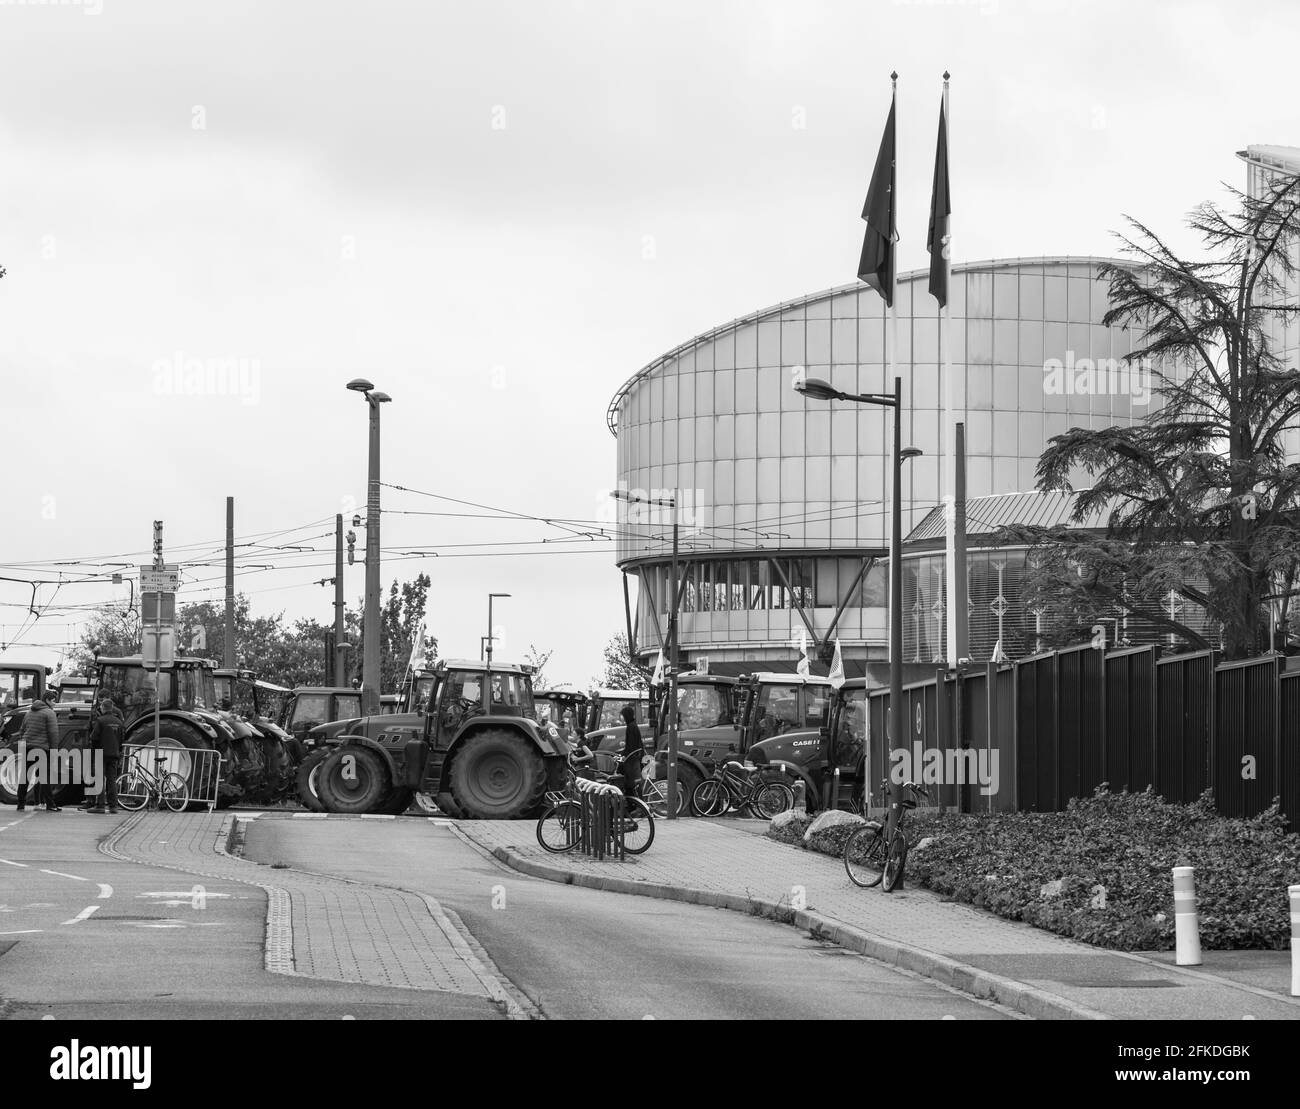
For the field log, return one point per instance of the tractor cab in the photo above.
(244, 696)
(390, 703)
(417, 692)
(186, 685)
(73, 690)
(561, 704)
(308, 706)
(21, 683)
(605, 708)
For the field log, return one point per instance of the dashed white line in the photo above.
(60, 874)
(21, 932)
(87, 911)
(10, 862)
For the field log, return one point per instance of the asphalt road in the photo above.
(582, 954)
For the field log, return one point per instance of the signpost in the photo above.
(158, 585)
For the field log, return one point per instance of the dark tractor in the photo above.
(266, 757)
(781, 720)
(73, 690)
(417, 690)
(708, 730)
(477, 752)
(554, 704)
(190, 720)
(605, 708)
(307, 708)
(20, 683)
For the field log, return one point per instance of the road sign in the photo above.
(154, 580)
(159, 645)
(158, 606)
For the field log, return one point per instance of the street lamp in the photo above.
(490, 634)
(822, 390)
(671, 699)
(370, 628)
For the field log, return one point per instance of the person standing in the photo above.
(40, 732)
(633, 751)
(106, 737)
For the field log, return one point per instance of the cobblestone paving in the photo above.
(317, 926)
(702, 855)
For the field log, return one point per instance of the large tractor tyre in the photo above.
(179, 746)
(687, 779)
(398, 801)
(498, 775)
(71, 792)
(352, 780)
(306, 779)
(9, 773)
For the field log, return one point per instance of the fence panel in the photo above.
(1130, 718)
(1080, 723)
(1246, 736)
(1037, 741)
(1289, 718)
(1184, 697)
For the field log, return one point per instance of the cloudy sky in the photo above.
(497, 212)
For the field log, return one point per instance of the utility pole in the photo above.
(340, 648)
(228, 653)
(959, 598)
(159, 564)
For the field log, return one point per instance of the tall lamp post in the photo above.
(670, 701)
(370, 652)
(490, 633)
(822, 390)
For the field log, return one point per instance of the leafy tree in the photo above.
(1199, 498)
(621, 670)
(538, 660)
(115, 632)
(399, 622)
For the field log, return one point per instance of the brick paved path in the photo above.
(317, 926)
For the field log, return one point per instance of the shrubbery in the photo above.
(1100, 871)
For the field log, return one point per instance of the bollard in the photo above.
(800, 798)
(1187, 929)
(1294, 893)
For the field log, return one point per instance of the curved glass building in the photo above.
(783, 502)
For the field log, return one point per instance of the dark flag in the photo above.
(876, 266)
(936, 241)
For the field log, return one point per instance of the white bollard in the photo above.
(800, 795)
(1294, 893)
(1187, 929)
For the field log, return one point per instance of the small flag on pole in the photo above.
(805, 667)
(657, 678)
(417, 650)
(936, 240)
(837, 666)
(876, 266)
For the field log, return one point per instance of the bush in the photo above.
(1100, 871)
(789, 826)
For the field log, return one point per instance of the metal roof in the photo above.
(984, 515)
(611, 413)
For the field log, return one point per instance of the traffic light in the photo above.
(352, 547)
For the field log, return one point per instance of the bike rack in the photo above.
(600, 821)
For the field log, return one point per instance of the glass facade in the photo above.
(766, 479)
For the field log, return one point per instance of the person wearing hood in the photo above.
(633, 753)
(40, 732)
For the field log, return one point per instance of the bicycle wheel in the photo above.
(655, 795)
(709, 798)
(771, 798)
(894, 862)
(864, 856)
(132, 791)
(173, 792)
(559, 828)
(638, 826)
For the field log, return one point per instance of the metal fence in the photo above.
(201, 769)
(1051, 727)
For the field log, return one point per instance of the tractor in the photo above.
(605, 708)
(267, 756)
(828, 757)
(20, 683)
(308, 707)
(73, 690)
(552, 704)
(781, 718)
(477, 752)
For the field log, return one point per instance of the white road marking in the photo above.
(188, 895)
(377, 816)
(60, 874)
(10, 862)
(21, 932)
(105, 890)
(310, 815)
(87, 911)
(13, 822)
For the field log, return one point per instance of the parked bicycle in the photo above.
(559, 828)
(138, 785)
(735, 786)
(875, 853)
(654, 792)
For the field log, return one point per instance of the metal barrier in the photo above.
(601, 818)
(201, 768)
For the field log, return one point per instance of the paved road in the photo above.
(578, 953)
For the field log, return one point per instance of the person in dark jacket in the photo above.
(106, 737)
(633, 753)
(40, 732)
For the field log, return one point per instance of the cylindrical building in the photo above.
(784, 502)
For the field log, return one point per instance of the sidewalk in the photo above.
(1036, 972)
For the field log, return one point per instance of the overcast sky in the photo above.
(498, 212)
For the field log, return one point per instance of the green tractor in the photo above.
(476, 752)
(20, 684)
(306, 708)
(265, 757)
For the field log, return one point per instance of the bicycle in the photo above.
(654, 792)
(138, 785)
(737, 786)
(875, 853)
(559, 828)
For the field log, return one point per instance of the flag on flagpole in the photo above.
(876, 266)
(837, 666)
(805, 667)
(657, 678)
(417, 650)
(936, 240)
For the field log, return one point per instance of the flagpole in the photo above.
(951, 590)
(891, 355)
